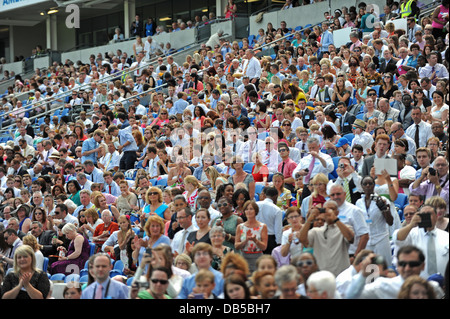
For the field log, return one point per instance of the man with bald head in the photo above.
(397, 133)
(387, 112)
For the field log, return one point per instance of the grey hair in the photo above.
(312, 140)
(68, 227)
(217, 229)
(286, 273)
(323, 281)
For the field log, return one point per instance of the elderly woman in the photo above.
(76, 255)
(25, 281)
(217, 237)
(287, 279)
(155, 205)
(290, 243)
(92, 221)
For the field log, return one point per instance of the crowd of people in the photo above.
(321, 173)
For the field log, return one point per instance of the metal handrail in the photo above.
(4, 129)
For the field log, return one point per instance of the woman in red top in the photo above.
(260, 171)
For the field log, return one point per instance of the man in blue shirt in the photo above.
(326, 39)
(180, 105)
(104, 287)
(127, 145)
(91, 147)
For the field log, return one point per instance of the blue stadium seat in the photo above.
(298, 28)
(118, 265)
(58, 277)
(130, 281)
(153, 181)
(72, 277)
(376, 88)
(84, 272)
(248, 167)
(162, 182)
(92, 251)
(84, 279)
(258, 188)
(251, 39)
(333, 174)
(360, 116)
(45, 265)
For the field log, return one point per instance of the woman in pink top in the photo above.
(440, 18)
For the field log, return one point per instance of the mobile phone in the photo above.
(199, 296)
(148, 251)
(425, 220)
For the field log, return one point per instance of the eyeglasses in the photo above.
(161, 281)
(78, 170)
(293, 217)
(367, 184)
(181, 217)
(201, 253)
(38, 213)
(307, 262)
(17, 181)
(412, 264)
(290, 104)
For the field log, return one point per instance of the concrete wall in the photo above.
(16, 67)
(27, 38)
(177, 39)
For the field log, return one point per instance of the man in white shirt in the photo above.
(83, 181)
(362, 137)
(312, 164)
(271, 215)
(431, 240)
(110, 162)
(23, 135)
(138, 65)
(204, 201)
(252, 67)
(433, 70)
(351, 215)
(253, 145)
(140, 109)
(94, 174)
(150, 48)
(398, 133)
(184, 219)
(110, 186)
(419, 131)
(411, 261)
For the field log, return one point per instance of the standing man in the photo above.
(271, 215)
(252, 68)
(91, 147)
(184, 218)
(127, 145)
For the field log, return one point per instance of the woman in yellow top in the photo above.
(297, 94)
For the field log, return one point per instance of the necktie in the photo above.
(110, 189)
(303, 150)
(183, 238)
(282, 168)
(416, 136)
(356, 167)
(431, 254)
(311, 167)
(348, 198)
(99, 292)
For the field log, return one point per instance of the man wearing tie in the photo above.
(433, 70)
(252, 68)
(301, 144)
(253, 145)
(104, 287)
(111, 186)
(349, 179)
(287, 166)
(346, 120)
(312, 164)
(419, 131)
(306, 114)
(14, 241)
(184, 218)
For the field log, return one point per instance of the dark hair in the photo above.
(236, 279)
(239, 192)
(328, 132)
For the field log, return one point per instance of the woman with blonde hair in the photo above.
(191, 185)
(155, 205)
(92, 221)
(31, 241)
(214, 177)
(25, 281)
(305, 82)
(416, 287)
(319, 192)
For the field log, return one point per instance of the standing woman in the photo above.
(127, 201)
(25, 281)
(230, 10)
(290, 242)
(251, 236)
(201, 235)
(124, 235)
(440, 19)
(284, 194)
(377, 210)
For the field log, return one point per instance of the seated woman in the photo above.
(284, 194)
(76, 255)
(155, 205)
(260, 171)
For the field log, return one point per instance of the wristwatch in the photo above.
(336, 220)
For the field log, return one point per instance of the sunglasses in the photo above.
(202, 197)
(78, 170)
(222, 205)
(161, 281)
(286, 124)
(308, 262)
(411, 264)
(163, 113)
(282, 150)
(153, 193)
(372, 94)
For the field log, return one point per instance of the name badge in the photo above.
(369, 221)
(306, 117)
(346, 123)
(342, 217)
